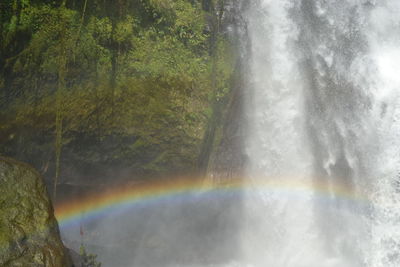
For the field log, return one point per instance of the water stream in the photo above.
(323, 147)
(323, 143)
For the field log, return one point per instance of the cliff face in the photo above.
(29, 234)
(228, 159)
(223, 156)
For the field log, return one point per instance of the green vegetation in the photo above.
(111, 83)
(89, 260)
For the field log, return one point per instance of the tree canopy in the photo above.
(122, 83)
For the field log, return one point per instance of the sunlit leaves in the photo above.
(100, 29)
(160, 52)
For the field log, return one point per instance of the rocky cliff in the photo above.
(29, 234)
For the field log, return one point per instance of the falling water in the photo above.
(324, 133)
(323, 151)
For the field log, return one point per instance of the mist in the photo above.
(210, 133)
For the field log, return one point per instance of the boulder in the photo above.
(29, 233)
(76, 258)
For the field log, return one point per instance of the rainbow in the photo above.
(121, 198)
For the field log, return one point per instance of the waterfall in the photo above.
(324, 136)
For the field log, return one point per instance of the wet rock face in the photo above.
(29, 234)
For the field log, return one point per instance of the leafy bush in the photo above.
(89, 260)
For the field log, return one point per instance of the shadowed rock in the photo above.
(29, 234)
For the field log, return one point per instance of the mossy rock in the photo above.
(29, 234)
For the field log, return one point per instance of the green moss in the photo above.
(29, 233)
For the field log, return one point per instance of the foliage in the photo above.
(89, 260)
(130, 81)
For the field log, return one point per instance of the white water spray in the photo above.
(324, 114)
